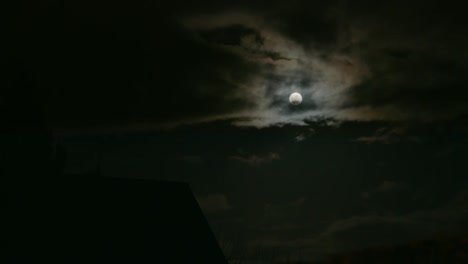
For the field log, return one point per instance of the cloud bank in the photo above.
(165, 64)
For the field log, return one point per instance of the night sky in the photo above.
(198, 91)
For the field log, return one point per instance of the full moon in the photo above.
(295, 98)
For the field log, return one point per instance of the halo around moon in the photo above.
(295, 99)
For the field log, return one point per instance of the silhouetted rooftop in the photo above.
(111, 220)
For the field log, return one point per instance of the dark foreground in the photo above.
(107, 221)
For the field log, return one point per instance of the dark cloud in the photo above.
(417, 69)
(164, 74)
(123, 64)
(312, 25)
(130, 66)
(373, 231)
(279, 212)
(232, 35)
(213, 203)
(409, 69)
(366, 231)
(389, 135)
(378, 230)
(256, 160)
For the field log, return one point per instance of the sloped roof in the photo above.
(112, 221)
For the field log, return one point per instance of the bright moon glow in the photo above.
(295, 98)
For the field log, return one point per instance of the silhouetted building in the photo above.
(51, 217)
(111, 221)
